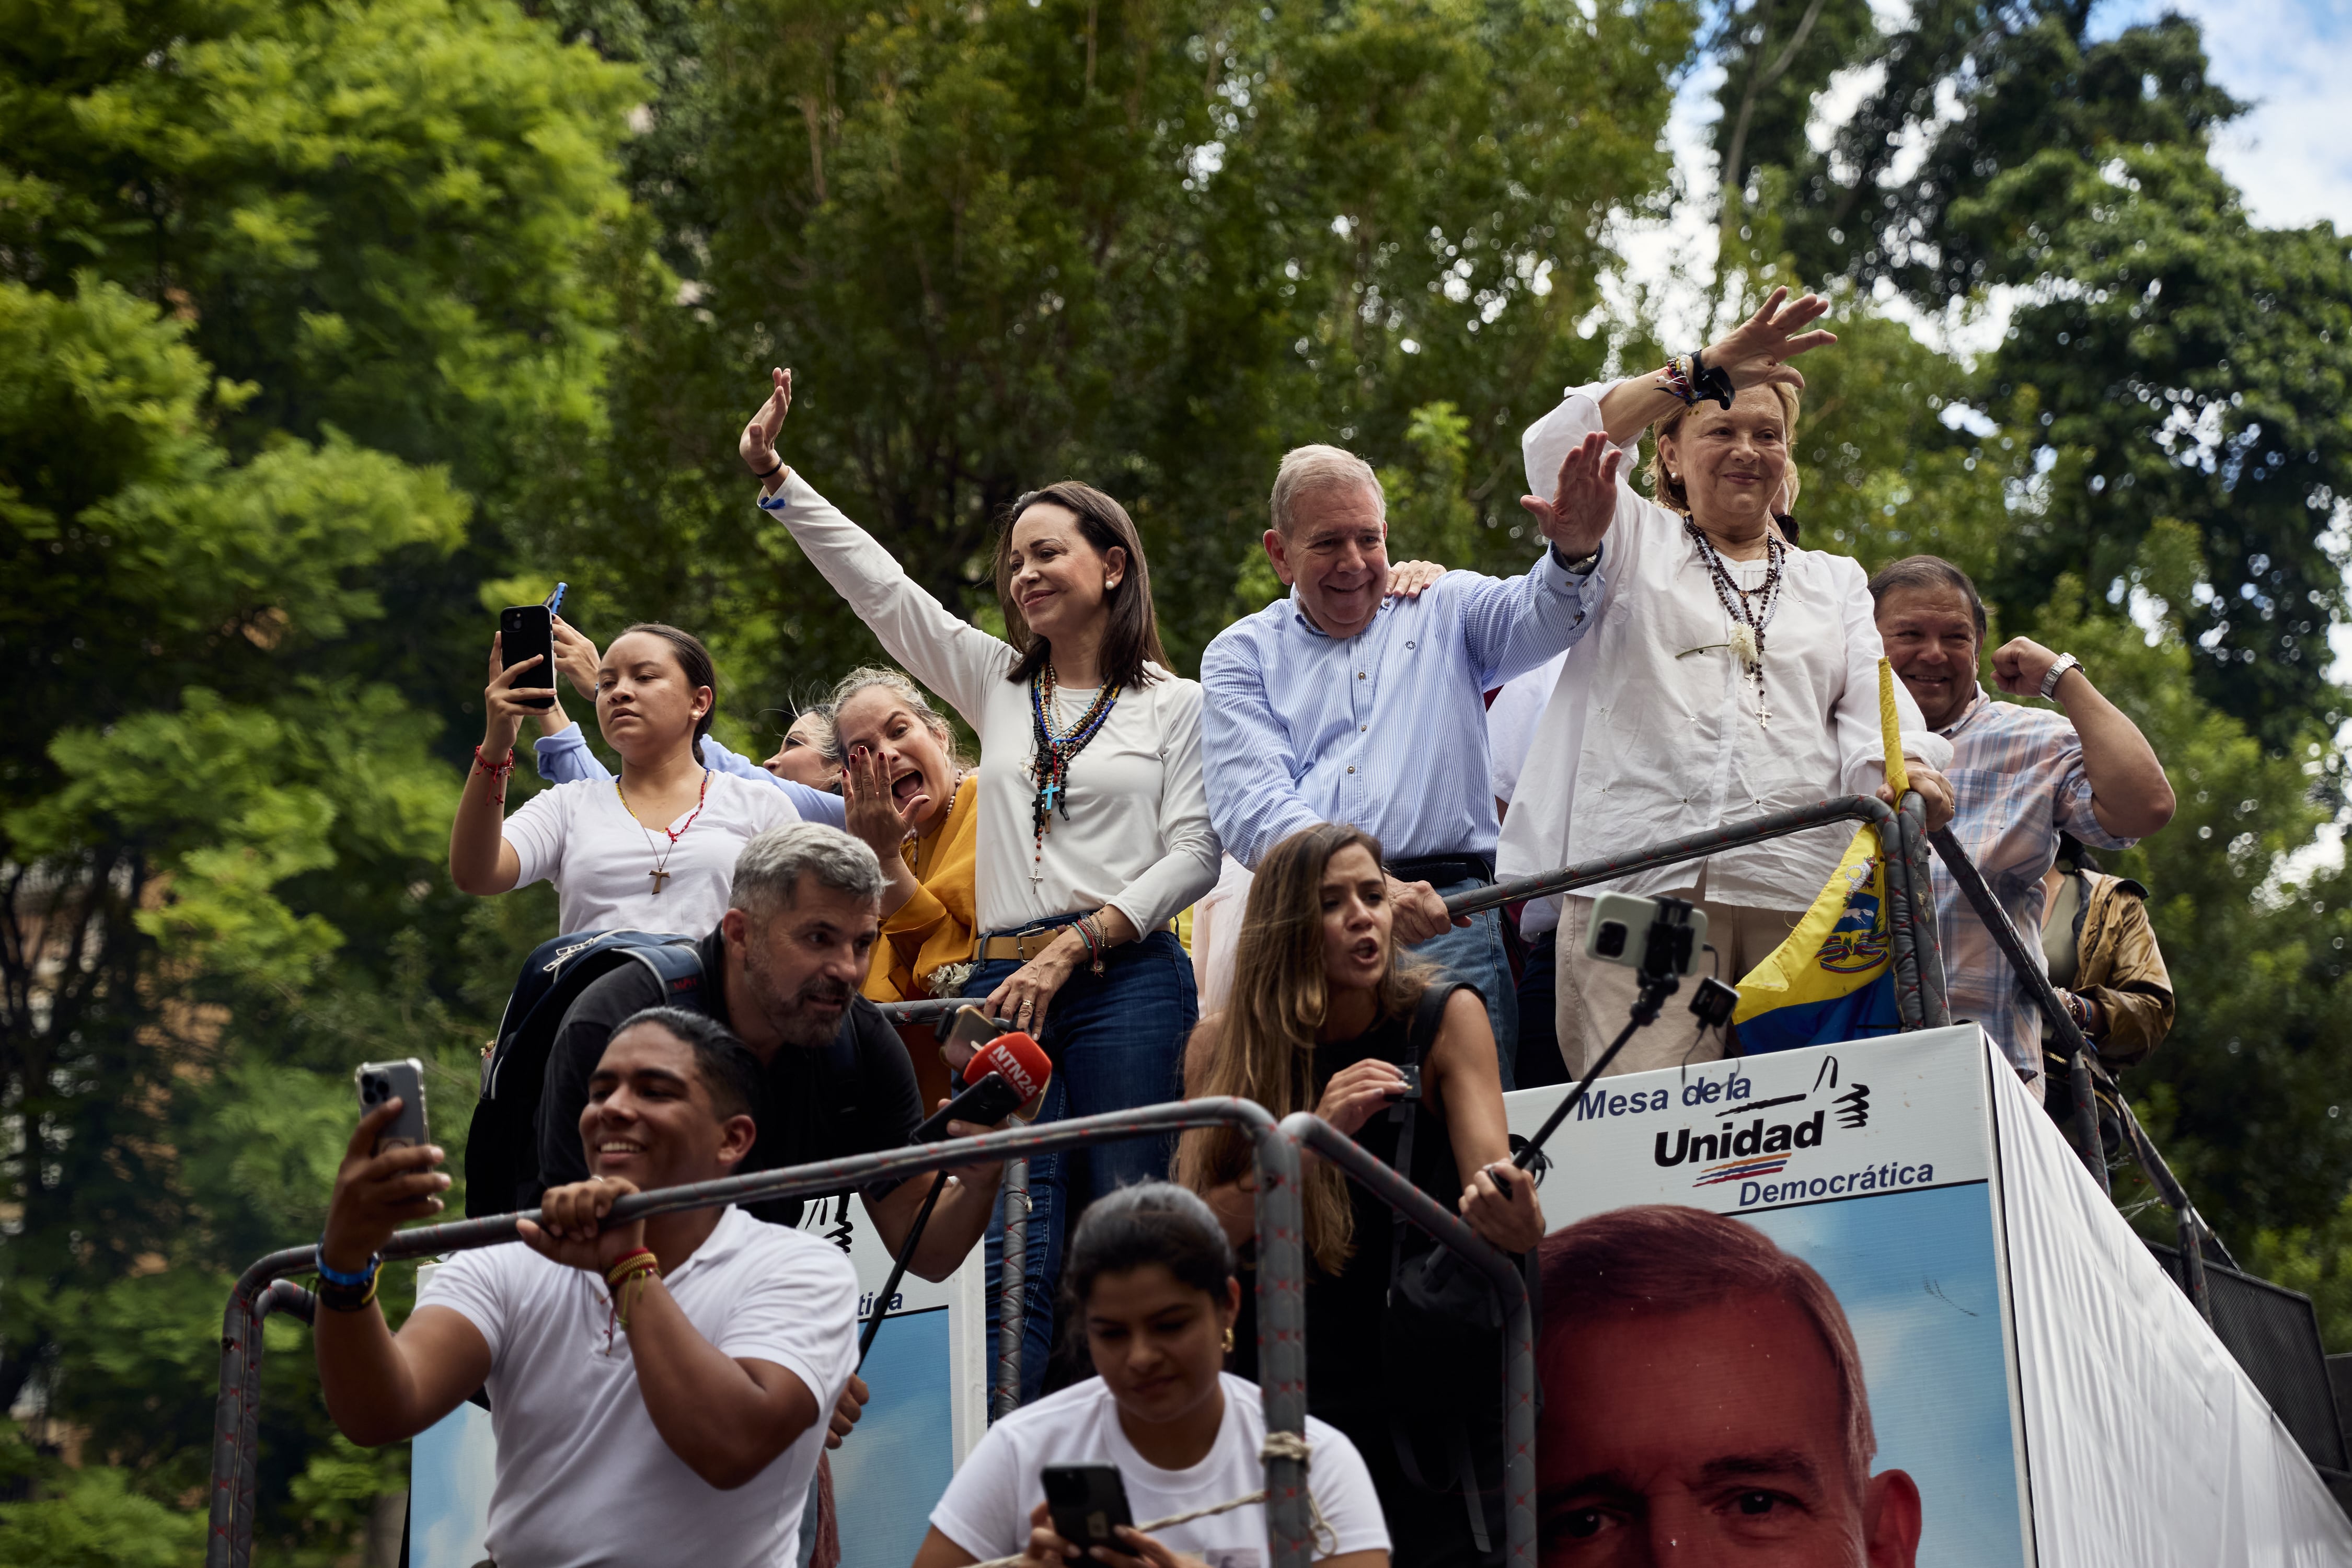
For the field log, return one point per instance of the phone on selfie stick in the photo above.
(1088, 1503)
(525, 631)
(380, 1081)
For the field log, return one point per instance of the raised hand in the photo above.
(506, 699)
(868, 810)
(759, 443)
(1577, 517)
(374, 1192)
(1756, 352)
(575, 657)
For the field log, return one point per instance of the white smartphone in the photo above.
(380, 1081)
(1620, 929)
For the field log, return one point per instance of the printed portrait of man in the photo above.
(1704, 1404)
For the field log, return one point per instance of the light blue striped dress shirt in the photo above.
(1387, 729)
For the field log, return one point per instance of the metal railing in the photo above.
(1919, 969)
(1281, 1302)
(1418, 1208)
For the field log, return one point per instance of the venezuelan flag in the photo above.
(1834, 978)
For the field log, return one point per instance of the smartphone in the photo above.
(555, 600)
(380, 1081)
(1619, 930)
(971, 1029)
(1087, 1504)
(987, 1102)
(525, 630)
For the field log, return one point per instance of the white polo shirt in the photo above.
(582, 1478)
(985, 1509)
(581, 837)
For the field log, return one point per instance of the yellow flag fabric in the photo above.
(1834, 978)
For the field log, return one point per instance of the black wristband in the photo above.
(1711, 381)
(778, 468)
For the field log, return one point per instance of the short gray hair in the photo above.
(1308, 470)
(768, 872)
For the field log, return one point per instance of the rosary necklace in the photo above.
(660, 873)
(1051, 765)
(1750, 610)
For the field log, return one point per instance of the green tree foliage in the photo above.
(1150, 245)
(2166, 358)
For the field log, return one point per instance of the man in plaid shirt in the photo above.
(2019, 775)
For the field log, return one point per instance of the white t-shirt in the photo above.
(581, 837)
(582, 1478)
(1510, 732)
(986, 1508)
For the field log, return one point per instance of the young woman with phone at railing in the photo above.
(1151, 1287)
(1323, 1018)
(653, 849)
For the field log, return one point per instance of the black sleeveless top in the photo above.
(1344, 1310)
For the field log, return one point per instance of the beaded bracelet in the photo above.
(630, 1267)
(341, 1293)
(1094, 940)
(497, 770)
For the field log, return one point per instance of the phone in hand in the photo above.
(971, 1029)
(380, 1081)
(985, 1103)
(1087, 1504)
(525, 631)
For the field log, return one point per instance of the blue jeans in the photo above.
(1474, 954)
(1117, 1041)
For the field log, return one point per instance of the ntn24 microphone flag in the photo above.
(1834, 978)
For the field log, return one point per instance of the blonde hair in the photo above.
(1280, 998)
(899, 685)
(1308, 470)
(1669, 491)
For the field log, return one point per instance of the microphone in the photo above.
(1004, 1075)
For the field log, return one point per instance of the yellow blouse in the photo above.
(935, 926)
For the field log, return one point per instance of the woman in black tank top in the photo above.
(1322, 1019)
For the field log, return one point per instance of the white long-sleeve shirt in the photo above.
(1138, 837)
(1651, 733)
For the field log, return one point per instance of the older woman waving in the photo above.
(1724, 673)
(1093, 817)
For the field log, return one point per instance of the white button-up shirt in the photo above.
(1652, 732)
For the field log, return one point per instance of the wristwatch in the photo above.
(1580, 568)
(2066, 661)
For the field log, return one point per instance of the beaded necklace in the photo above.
(1748, 620)
(1051, 765)
(660, 873)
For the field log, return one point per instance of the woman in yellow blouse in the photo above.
(910, 795)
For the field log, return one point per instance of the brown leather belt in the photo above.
(1029, 944)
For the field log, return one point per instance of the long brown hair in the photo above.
(1132, 637)
(1265, 1051)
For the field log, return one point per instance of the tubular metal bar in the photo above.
(1011, 1290)
(1518, 1329)
(1935, 997)
(237, 1422)
(1282, 1361)
(1732, 835)
(924, 1009)
(2036, 981)
(1910, 1001)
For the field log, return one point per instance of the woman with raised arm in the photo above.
(653, 849)
(1722, 675)
(1151, 1290)
(1092, 818)
(1323, 1018)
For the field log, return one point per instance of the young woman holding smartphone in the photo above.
(653, 849)
(1092, 816)
(1151, 1285)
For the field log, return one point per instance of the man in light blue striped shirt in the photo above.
(1338, 705)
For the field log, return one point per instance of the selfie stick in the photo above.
(899, 1267)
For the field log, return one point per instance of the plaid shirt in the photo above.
(2017, 780)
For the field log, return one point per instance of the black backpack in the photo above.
(502, 1145)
